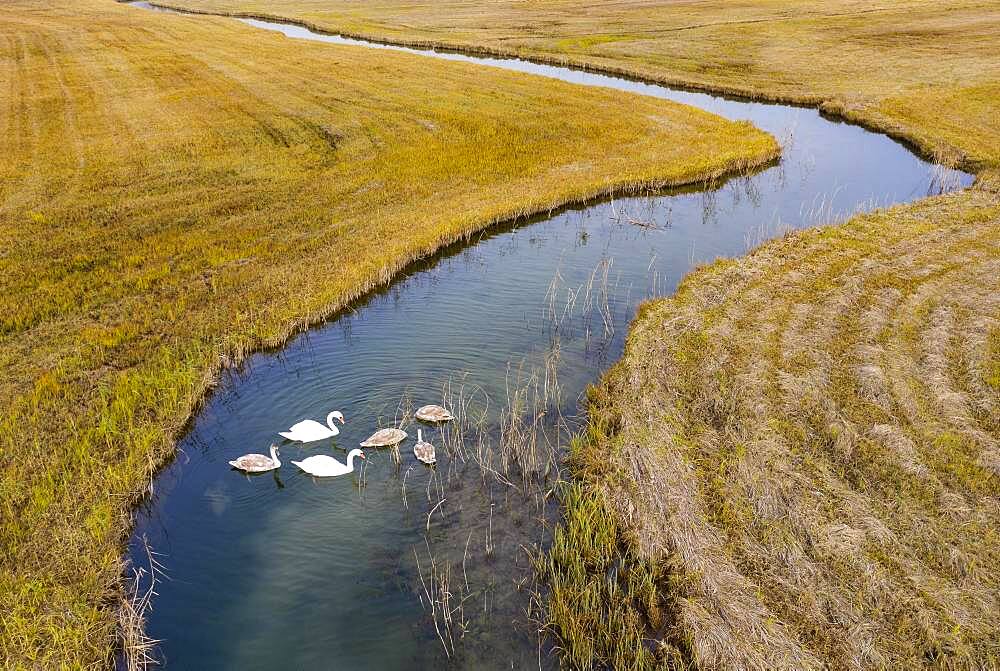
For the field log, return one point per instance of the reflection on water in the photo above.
(282, 570)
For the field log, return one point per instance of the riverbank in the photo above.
(178, 192)
(804, 457)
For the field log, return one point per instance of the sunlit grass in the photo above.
(926, 70)
(176, 192)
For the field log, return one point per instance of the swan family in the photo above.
(325, 466)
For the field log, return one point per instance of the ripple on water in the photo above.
(284, 571)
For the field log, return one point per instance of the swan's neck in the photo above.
(330, 421)
(274, 455)
(420, 436)
(350, 461)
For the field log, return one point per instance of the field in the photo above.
(176, 192)
(805, 466)
(925, 70)
(805, 457)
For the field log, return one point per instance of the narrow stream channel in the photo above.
(284, 571)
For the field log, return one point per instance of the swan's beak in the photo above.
(362, 455)
(342, 420)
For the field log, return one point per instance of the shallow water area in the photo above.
(284, 570)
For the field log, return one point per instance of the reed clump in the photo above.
(608, 605)
(603, 601)
(498, 462)
(176, 192)
(804, 441)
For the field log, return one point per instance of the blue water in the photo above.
(284, 571)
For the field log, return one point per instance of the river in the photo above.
(284, 571)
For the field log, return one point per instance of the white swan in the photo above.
(323, 466)
(257, 463)
(309, 430)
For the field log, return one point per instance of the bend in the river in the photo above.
(285, 571)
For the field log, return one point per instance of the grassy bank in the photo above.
(176, 192)
(921, 69)
(804, 447)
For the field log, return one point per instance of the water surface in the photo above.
(284, 571)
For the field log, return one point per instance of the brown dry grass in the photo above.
(176, 192)
(927, 70)
(809, 439)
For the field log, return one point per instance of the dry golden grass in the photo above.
(806, 450)
(927, 70)
(176, 192)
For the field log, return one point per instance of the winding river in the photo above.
(282, 571)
